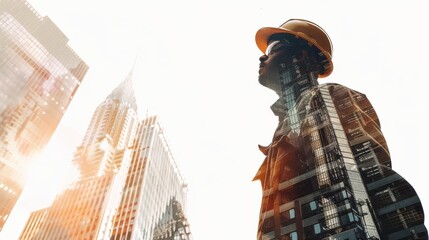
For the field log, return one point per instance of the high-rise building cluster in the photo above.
(326, 175)
(129, 182)
(129, 186)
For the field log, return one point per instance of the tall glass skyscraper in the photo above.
(39, 74)
(327, 173)
(153, 181)
(128, 178)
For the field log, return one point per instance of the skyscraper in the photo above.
(39, 74)
(128, 177)
(153, 181)
(327, 173)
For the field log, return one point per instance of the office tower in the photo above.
(327, 173)
(153, 182)
(34, 223)
(85, 210)
(39, 74)
(127, 178)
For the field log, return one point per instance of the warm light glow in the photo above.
(198, 71)
(48, 175)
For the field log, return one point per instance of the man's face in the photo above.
(269, 66)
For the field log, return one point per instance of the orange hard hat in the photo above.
(304, 29)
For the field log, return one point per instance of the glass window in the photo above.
(317, 228)
(344, 194)
(351, 217)
(313, 205)
(293, 236)
(292, 213)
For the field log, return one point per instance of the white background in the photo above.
(197, 67)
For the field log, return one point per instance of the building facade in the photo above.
(327, 173)
(127, 178)
(35, 221)
(39, 75)
(153, 181)
(173, 224)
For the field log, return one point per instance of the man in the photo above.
(327, 173)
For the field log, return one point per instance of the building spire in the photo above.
(125, 90)
(134, 65)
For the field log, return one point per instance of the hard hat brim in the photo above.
(263, 34)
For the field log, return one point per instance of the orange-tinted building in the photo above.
(39, 74)
(33, 225)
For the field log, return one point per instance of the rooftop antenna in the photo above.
(134, 65)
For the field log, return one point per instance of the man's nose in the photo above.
(263, 58)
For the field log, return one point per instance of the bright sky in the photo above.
(197, 69)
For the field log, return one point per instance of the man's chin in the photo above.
(269, 84)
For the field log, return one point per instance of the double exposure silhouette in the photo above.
(327, 173)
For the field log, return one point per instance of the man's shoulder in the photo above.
(338, 87)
